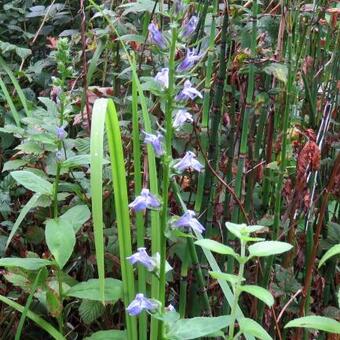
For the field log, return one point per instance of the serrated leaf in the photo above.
(216, 247)
(25, 263)
(321, 323)
(251, 327)
(224, 276)
(77, 216)
(268, 248)
(335, 250)
(90, 290)
(90, 310)
(279, 71)
(32, 182)
(194, 328)
(60, 239)
(259, 292)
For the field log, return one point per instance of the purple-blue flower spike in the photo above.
(141, 303)
(189, 161)
(142, 257)
(156, 37)
(156, 141)
(188, 220)
(181, 116)
(162, 78)
(189, 27)
(189, 61)
(145, 200)
(188, 92)
(61, 133)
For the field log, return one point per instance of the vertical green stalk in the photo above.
(166, 164)
(139, 215)
(237, 292)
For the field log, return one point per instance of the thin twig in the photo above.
(287, 304)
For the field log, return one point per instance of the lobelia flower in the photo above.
(189, 27)
(156, 36)
(145, 200)
(189, 60)
(156, 141)
(162, 78)
(188, 92)
(188, 161)
(59, 155)
(181, 116)
(170, 308)
(142, 257)
(188, 220)
(61, 133)
(141, 303)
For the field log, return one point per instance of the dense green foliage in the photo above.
(205, 134)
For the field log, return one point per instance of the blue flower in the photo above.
(145, 200)
(189, 61)
(181, 116)
(61, 133)
(156, 141)
(189, 161)
(156, 37)
(162, 78)
(188, 220)
(59, 155)
(142, 257)
(141, 303)
(188, 92)
(189, 27)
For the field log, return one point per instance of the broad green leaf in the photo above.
(316, 322)
(60, 239)
(79, 160)
(13, 165)
(185, 329)
(236, 229)
(90, 290)
(54, 306)
(77, 216)
(335, 250)
(34, 317)
(249, 326)
(268, 248)
(216, 247)
(260, 293)
(254, 228)
(25, 263)
(90, 310)
(109, 334)
(224, 276)
(32, 182)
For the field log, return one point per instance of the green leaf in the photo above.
(236, 229)
(60, 239)
(185, 329)
(90, 290)
(335, 250)
(34, 317)
(316, 322)
(31, 203)
(54, 306)
(260, 293)
(216, 247)
(224, 276)
(279, 71)
(13, 165)
(76, 216)
(90, 310)
(109, 334)
(32, 182)
(268, 248)
(249, 326)
(25, 263)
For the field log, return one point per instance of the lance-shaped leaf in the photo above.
(268, 248)
(216, 247)
(260, 293)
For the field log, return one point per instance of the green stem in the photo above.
(166, 167)
(237, 292)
